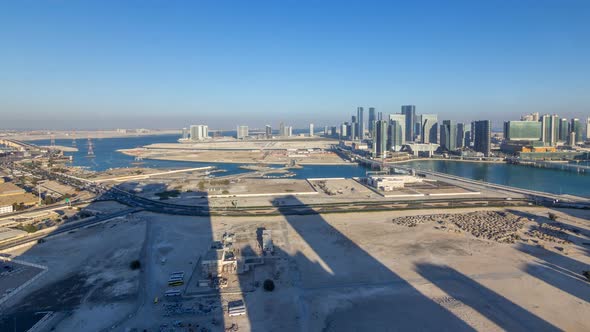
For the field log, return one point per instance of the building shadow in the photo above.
(340, 266)
(498, 309)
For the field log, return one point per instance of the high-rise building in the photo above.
(396, 135)
(410, 113)
(311, 130)
(380, 139)
(530, 117)
(564, 129)
(333, 131)
(353, 132)
(344, 130)
(588, 129)
(242, 132)
(326, 131)
(289, 131)
(372, 119)
(549, 129)
(268, 131)
(460, 135)
(199, 132)
(418, 128)
(522, 130)
(482, 135)
(576, 127)
(429, 128)
(379, 116)
(361, 123)
(185, 133)
(282, 130)
(448, 135)
(468, 134)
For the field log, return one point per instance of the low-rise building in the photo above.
(391, 182)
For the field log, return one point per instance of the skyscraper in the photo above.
(361, 123)
(448, 135)
(460, 135)
(522, 130)
(354, 129)
(268, 131)
(588, 128)
(282, 130)
(482, 134)
(410, 113)
(344, 130)
(372, 119)
(564, 129)
(397, 131)
(199, 132)
(242, 132)
(576, 127)
(429, 128)
(185, 133)
(549, 129)
(311, 130)
(380, 139)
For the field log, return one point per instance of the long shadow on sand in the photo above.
(337, 263)
(506, 314)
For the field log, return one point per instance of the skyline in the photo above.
(169, 65)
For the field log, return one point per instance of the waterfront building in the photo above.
(282, 130)
(380, 139)
(564, 129)
(396, 135)
(354, 130)
(199, 132)
(268, 131)
(410, 113)
(549, 129)
(448, 135)
(429, 128)
(326, 131)
(576, 127)
(588, 129)
(242, 132)
(372, 119)
(311, 130)
(361, 123)
(482, 134)
(522, 130)
(185, 133)
(572, 139)
(344, 130)
(460, 135)
(468, 134)
(289, 131)
(333, 131)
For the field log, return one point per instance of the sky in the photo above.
(169, 64)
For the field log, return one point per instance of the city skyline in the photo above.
(91, 66)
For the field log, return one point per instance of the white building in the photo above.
(199, 132)
(311, 130)
(242, 132)
(391, 182)
(5, 209)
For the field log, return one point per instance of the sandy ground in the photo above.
(336, 272)
(40, 135)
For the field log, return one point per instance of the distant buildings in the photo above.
(564, 129)
(380, 146)
(482, 133)
(185, 133)
(530, 117)
(588, 128)
(397, 131)
(429, 128)
(410, 114)
(576, 127)
(199, 132)
(242, 132)
(268, 131)
(372, 119)
(549, 129)
(361, 123)
(448, 135)
(311, 130)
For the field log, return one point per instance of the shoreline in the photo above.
(82, 135)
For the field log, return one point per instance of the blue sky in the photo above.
(104, 64)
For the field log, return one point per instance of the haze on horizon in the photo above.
(168, 64)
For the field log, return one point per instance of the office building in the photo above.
(468, 135)
(429, 128)
(282, 129)
(588, 129)
(380, 139)
(410, 113)
(564, 129)
(242, 132)
(549, 129)
(185, 133)
(460, 135)
(326, 131)
(268, 131)
(354, 129)
(396, 136)
(482, 134)
(344, 130)
(333, 131)
(530, 117)
(289, 130)
(361, 123)
(199, 132)
(311, 130)
(418, 128)
(372, 119)
(379, 116)
(576, 127)
(448, 135)
(522, 130)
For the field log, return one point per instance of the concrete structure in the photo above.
(10, 233)
(549, 129)
(522, 130)
(409, 111)
(420, 149)
(482, 134)
(429, 128)
(391, 182)
(268, 131)
(396, 136)
(242, 132)
(199, 132)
